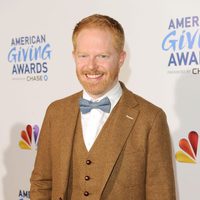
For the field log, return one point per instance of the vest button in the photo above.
(86, 193)
(87, 178)
(88, 162)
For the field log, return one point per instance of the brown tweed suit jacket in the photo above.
(138, 158)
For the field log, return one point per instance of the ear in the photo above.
(122, 58)
(73, 54)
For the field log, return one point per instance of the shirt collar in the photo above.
(114, 95)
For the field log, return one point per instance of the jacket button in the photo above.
(87, 178)
(88, 162)
(86, 193)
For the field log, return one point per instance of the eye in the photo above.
(82, 55)
(103, 56)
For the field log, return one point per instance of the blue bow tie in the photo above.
(86, 106)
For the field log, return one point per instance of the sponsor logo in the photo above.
(181, 45)
(29, 57)
(29, 137)
(189, 146)
(24, 194)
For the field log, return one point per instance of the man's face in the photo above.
(97, 61)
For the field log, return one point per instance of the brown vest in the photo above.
(87, 168)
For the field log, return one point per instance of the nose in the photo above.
(92, 63)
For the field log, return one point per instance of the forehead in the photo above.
(94, 33)
(94, 37)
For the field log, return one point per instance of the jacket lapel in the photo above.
(123, 118)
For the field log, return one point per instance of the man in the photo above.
(116, 145)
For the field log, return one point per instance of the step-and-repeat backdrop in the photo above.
(36, 68)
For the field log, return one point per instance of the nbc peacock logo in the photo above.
(189, 146)
(29, 137)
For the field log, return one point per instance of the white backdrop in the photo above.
(163, 66)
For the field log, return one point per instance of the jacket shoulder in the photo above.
(150, 111)
(64, 103)
(146, 105)
(147, 109)
(132, 100)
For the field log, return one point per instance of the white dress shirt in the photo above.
(93, 121)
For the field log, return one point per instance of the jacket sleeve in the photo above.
(159, 175)
(41, 178)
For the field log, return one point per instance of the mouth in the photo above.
(94, 76)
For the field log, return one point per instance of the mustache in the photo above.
(92, 72)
